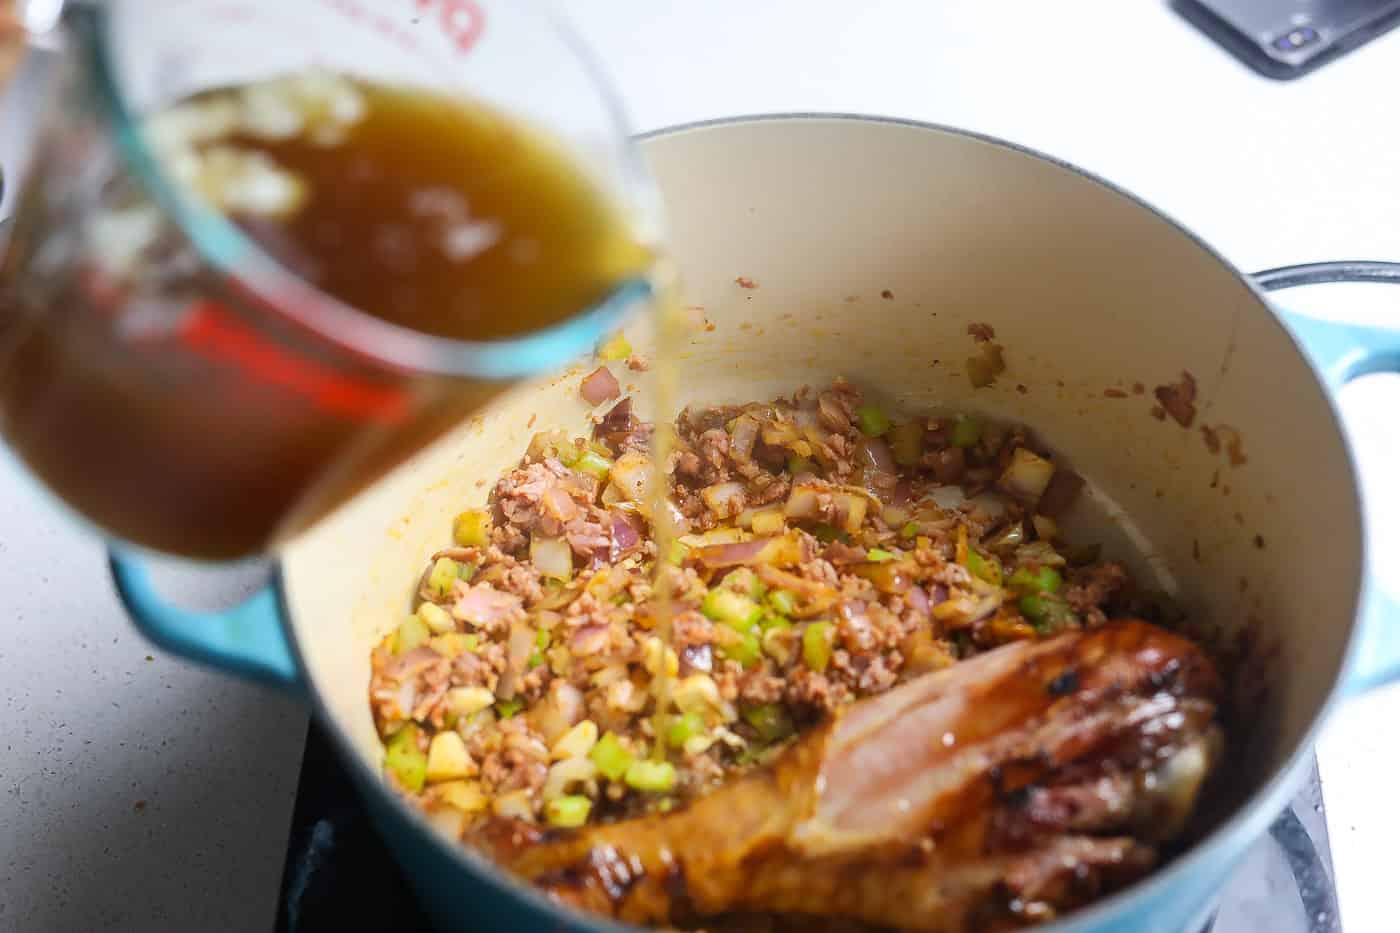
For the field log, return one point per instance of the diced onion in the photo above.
(514, 805)
(804, 501)
(947, 497)
(599, 386)
(745, 434)
(576, 743)
(990, 503)
(631, 474)
(724, 499)
(552, 557)
(1027, 476)
(768, 521)
(850, 510)
(714, 536)
(894, 516)
(448, 820)
(559, 711)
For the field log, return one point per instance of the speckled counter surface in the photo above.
(145, 795)
(136, 792)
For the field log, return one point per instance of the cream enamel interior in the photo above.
(1087, 290)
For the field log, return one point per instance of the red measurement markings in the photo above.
(217, 334)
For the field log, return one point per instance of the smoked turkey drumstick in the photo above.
(999, 792)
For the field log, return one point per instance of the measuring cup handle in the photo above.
(249, 640)
(1342, 352)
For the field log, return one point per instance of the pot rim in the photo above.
(1228, 840)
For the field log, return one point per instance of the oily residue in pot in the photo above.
(980, 332)
(989, 361)
(1178, 399)
(1230, 438)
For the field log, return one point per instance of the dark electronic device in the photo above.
(1288, 38)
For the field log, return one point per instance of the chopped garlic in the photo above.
(118, 238)
(233, 179)
(652, 654)
(697, 693)
(192, 123)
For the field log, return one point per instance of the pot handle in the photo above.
(249, 640)
(1342, 352)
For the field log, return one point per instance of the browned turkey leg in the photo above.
(1001, 791)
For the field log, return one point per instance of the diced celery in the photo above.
(453, 644)
(983, 567)
(684, 727)
(798, 465)
(472, 528)
(471, 642)
(412, 633)
(542, 638)
(594, 464)
(567, 454)
(816, 645)
(654, 777)
(873, 422)
(567, 812)
(731, 608)
(771, 621)
(879, 555)
(677, 553)
(1048, 613)
(743, 647)
(909, 530)
(1044, 580)
(967, 431)
(784, 601)
(444, 575)
(907, 442)
(508, 708)
(615, 348)
(611, 757)
(780, 644)
(771, 721)
(745, 582)
(535, 660)
(403, 757)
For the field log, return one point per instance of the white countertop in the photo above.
(137, 793)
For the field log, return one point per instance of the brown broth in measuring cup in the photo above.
(178, 410)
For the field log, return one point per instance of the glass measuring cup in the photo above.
(169, 378)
